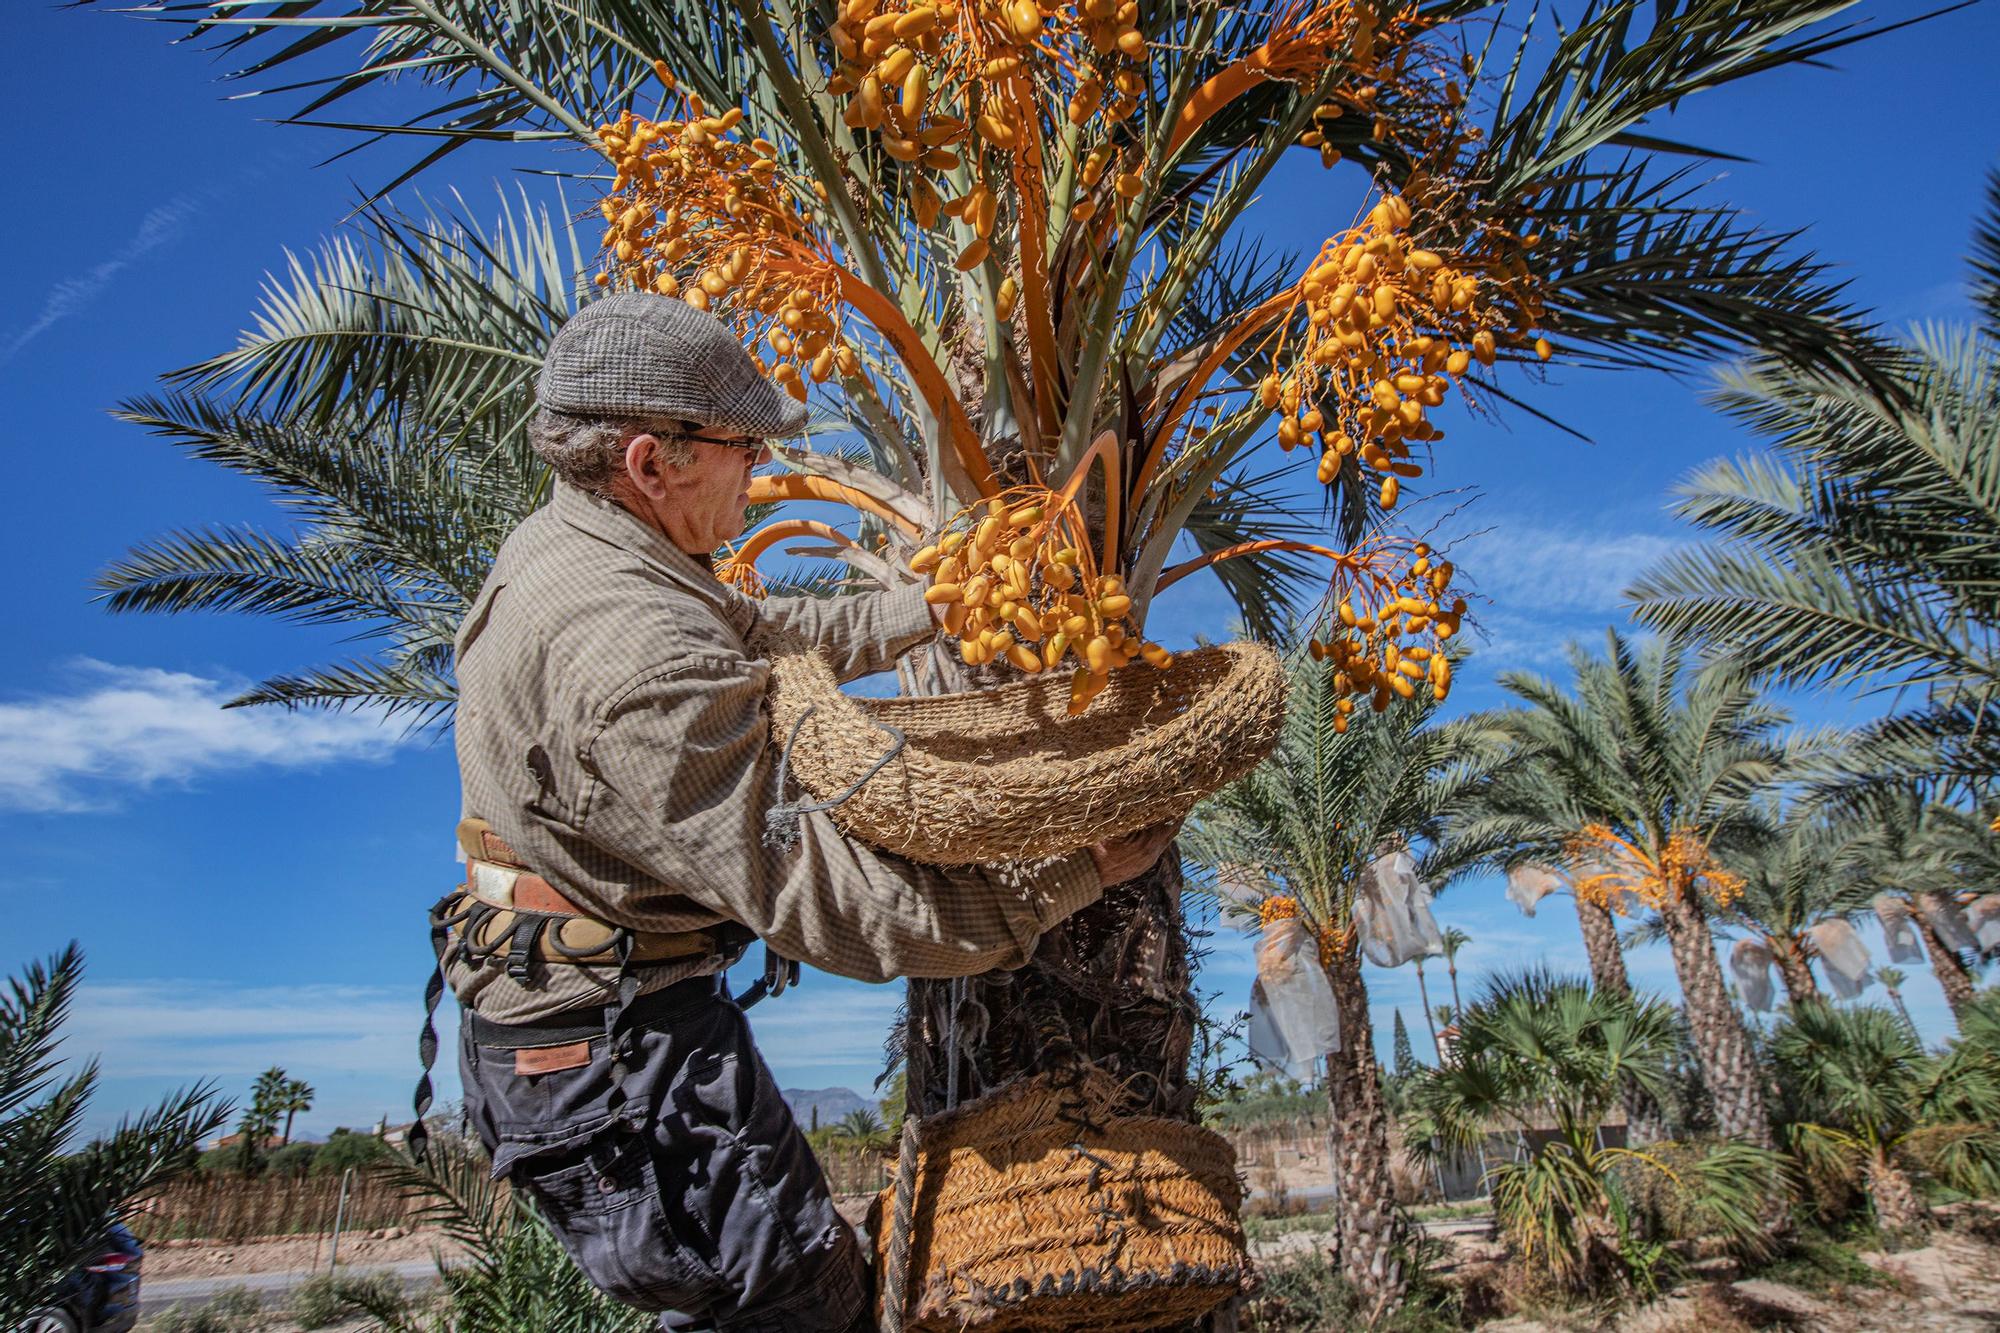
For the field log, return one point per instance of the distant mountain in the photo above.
(831, 1103)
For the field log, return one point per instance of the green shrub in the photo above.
(235, 1310)
(294, 1159)
(330, 1298)
(347, 1148)
(1307, 1295)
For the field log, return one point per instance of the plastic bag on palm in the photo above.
(1293, 1022)
(1948, 920)
(1527, 885)
(1750, 964)
(1984, 918)
(1843, 957)
(1392, 913)
(1905, 945)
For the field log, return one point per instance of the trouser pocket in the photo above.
(602, 1199)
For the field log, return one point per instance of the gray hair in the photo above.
(589, 452)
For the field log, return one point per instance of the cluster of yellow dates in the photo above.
(1330, 940)
(936, 80)
(1612, 867)
(1375, 648)
(690, 197)
(1366, 372)
(1017, 585)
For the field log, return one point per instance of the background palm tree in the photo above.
(1454, 940)
(60, 1195)
(1666, 768)
(1863, 545)
(297, 1097)
(1430, 1014)
(1305, 826)
(1911, 848)
(385, 388)
(1892, 979)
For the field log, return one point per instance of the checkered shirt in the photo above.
(611, 727)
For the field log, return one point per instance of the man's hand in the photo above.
(1127, 857)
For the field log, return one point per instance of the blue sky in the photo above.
(249, 886)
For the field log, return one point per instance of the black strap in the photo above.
(780, 975)
(442, 920)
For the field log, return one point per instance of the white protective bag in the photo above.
(1984, 918)
(1527, 885)
(1950, 924)
(1905, 945)
(1750, 963)
(1392, 912)
(1843, 957)
(1293, 1022)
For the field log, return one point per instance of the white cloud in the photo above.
(72, 294)
(1529, 565)
(356, 1045)
(134, 727)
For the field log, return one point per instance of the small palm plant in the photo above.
(1868, 1107)
(863, 1130)
(59, 1199)
(1543, 1057)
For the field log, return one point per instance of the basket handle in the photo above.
(781, 822)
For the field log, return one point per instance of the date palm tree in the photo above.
(1454, 940)
(1863, 546)
(1305, 827)
(1662, 771)
(1088, 323)
(1916, 850)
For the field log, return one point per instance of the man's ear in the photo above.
(642, 466)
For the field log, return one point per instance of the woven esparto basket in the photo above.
(1021, 1218)
(1006, 774)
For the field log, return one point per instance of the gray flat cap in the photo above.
(636, 354)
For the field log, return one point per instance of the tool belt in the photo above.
(504, 908)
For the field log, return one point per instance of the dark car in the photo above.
(100, 1297)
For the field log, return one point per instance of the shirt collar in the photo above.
(611, 522)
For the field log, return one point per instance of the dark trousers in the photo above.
(700, 1198)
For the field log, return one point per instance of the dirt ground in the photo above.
(166, 1260)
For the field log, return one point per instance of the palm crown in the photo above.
(1003, 244)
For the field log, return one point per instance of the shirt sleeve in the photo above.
(860, 634)
(683, 779)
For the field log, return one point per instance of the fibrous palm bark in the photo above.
(1110, 987)
(1950, 969)
(1795, 968)
(1728, 1066)
(1369, 1234)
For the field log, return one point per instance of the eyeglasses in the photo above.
(750, 444)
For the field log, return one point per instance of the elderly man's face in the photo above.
(700, 506)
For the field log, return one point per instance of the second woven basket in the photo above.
(1037, 1207)
(1006, 774)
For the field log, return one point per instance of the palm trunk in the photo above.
(1368, 1228)
(1600, 943)
(1795, 969)
(1946, 965)
(1645, 1122)
(1735, 1084)
(1109, 987)
(1903, 1010)
(1430, 1019)
(1457, 1005)
(287, 1140)
(1898, 1208)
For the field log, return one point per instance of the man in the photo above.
(612, 742)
